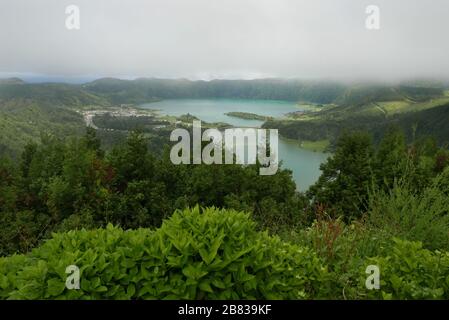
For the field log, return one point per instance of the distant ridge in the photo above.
(315, 91)
(105, 91)
(146, 89)
(11, 81)
(371, 106)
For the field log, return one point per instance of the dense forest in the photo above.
(371, 203)
(140, 227)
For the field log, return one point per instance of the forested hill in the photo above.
(359, 95)
(29, 110)
(116, 91)
(107, 91)
(432, 122)
(320, 92)
(50, 94)
(142, 90)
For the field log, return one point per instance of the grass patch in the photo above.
(316, 146)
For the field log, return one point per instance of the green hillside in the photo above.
(29, 109)
(373, 108)
(431, 121)
(22, 121)
(54, 94)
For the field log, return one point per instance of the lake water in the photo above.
(304, 164)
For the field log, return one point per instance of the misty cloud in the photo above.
(204, 39)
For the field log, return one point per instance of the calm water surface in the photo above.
(304, 164)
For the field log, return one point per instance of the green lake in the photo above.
(304, 164)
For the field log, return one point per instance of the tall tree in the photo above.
(391, 158)
(343, 186)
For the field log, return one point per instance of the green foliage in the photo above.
(357, 167)
(50, 94)
(390, 161)
(407, 270)
(219, 254)
(347, 175)
(419, 216)
(73, 183)
(416, 121)
(196, 254)
(21, 230)
(344, 249)
(22, 122)
(8, 191)
(410, 272)
(367, 195)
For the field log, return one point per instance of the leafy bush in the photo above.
(8, 274)
(411, 272)
(344, 249)
(213, 254)
(21, 231)
(422, 216)
(407, 270)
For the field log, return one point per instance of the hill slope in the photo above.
(28, 109)
(22, 121)
(427, 122)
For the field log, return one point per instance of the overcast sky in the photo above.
(205, 39)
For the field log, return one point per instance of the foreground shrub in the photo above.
(344, 249)
(213, 254)
(407, 270)
(411, 272)
(405, 214)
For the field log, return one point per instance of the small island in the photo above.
(248, 116)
